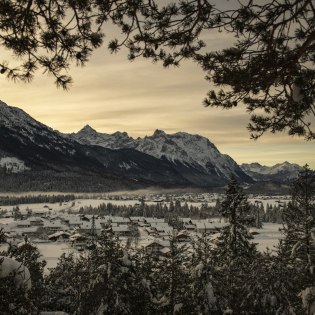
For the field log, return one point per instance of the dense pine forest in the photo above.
(27, 199)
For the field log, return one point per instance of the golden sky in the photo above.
(112, 94)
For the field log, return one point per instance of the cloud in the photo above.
(112, 94)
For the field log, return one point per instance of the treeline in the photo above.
(65, 181)
(158, 210)
(27, 199)
(272, 214)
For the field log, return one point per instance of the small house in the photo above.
(121, 230)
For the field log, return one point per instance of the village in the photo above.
(80, 230)
(69, 226)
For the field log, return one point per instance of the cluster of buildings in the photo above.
(152, 233)
(192, 197)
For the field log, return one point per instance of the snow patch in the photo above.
(210, 294)
(308, 299)
(13, 165)
(177, 308)
(22, 276)
(199, 269)
(125, 165)
(125, 259)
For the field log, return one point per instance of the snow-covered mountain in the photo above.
(183, 150)
(118, 140)
(57, 161)
(280, 172)
(193, 150)
(34, 156)
(48, 159)
(23, 128)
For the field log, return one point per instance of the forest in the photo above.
(27, 199)
(176, 210)
(229, 276)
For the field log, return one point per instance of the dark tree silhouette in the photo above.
(269, 70)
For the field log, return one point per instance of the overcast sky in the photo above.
(112, 94)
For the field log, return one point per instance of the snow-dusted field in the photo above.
(45, 207)
(95, 202)
(268, 236)
(6, 220)
(50, 252)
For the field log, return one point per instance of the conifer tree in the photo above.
(28, 254)
(299, 218)
(299, 235)
(205, 280)
(147, 271)
(14, 297)
(14, 300)
(235, 251)
(65, 284)
(237, 210)
(113, 287)
(269, 285)
(269, 68)
(173, 282)
(2, 236)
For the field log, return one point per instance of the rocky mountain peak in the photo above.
(159, 133)
(2, 104)
(120, 134)
(87, 129)
(179, 148)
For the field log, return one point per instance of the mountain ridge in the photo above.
(31, 151)
(281, 171)
(183, 148)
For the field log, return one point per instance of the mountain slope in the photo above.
(38, 145)
(193, 156)
(89, 136)
(34, 155)
(50, 161)
(137, 166)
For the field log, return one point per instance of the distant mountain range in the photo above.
(194, 157)
(280, 172)
(34, 156)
